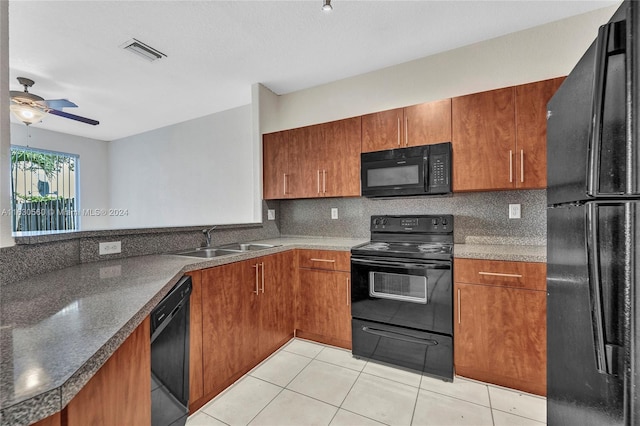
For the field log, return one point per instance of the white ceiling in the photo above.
(217, 49)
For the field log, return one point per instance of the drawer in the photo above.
(324, 259)
(528, 275)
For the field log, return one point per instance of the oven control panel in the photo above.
(413, 224)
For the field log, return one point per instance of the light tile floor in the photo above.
(306, 383)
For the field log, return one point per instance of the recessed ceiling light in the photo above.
(143, 50)
(327, 6)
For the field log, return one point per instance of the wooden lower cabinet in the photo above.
(500, 329)
(323, 299)
(246, 316)
(120, 392)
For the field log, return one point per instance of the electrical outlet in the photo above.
(271, 214)
(112, 247)
(334, 213)
(514, 211)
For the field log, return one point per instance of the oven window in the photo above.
(393, 176)
(410, 288)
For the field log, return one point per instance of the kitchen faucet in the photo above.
(207, 234)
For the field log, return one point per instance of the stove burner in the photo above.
(377, 246)
(433, 248)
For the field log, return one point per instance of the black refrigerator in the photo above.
(593, 219)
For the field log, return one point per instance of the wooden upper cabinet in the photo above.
(382, 130)
(422, 124)
(483, 139)
(531, 128)
(322, 160)
(275, 165)
(500, 138)
(427, 123)
(339, 159)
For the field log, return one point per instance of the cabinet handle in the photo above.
(398, 131)
(348, 291)
(406, 131)
(459, 306)
(522, 166)
(262, 267)
(323, 260)
(499, 274)
(318, 181)
(284, 184)
(324, 181)
(510, 166)
(256, 291)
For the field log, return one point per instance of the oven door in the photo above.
(419, 350)
(406, 293)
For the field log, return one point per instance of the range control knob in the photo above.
(444, 221)
(377, 221)
(384, 221)
(434, 222)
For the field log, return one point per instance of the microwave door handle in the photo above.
(399, 265)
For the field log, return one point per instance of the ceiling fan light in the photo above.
(28, 115)
(327, 6)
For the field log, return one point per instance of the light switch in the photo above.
(271, 214)
(334, 213)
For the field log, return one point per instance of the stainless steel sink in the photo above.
(208, 252)
(223, 250)
(247, 246)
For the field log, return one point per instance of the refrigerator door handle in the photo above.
(604, 353)
(597, 107)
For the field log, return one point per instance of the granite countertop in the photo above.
(57, 329)
(506, 252)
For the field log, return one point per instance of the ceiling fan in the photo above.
(30, 108)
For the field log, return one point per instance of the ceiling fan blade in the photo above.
(73, 117)
(59, 103)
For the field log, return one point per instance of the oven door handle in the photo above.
(399, 336)
(400, 264)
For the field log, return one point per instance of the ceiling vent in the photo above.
(142, 50)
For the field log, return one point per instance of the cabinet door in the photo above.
(323, 310)
(531, 125)
(276, 301)
(500, 336)
(427, 123)
(303, 180)
(483, 139)
(340, 158)
(382, 130)
(229, 328)
(120, 392)
(274, 166)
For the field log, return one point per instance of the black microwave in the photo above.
(419, 170)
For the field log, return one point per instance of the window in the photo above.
(44, 191)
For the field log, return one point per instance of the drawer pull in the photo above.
(323, 260)
(498, 274)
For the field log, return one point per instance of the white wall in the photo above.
(5, 137)
(94, 166)
(539, 53)
(198, 172)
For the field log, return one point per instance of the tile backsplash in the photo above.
(478, 216)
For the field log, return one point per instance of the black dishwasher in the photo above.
(170, 357)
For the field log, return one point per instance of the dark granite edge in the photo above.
(33, 409)
(37, 239)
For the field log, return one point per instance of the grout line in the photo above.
(214, 418)
(415, 404)
(519, 415)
